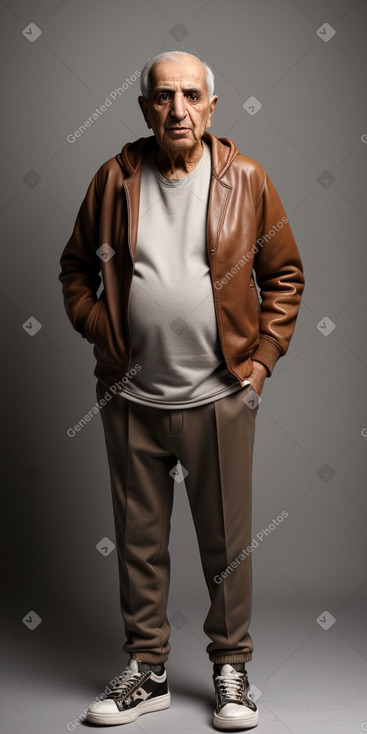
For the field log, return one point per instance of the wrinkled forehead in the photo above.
(184, 72)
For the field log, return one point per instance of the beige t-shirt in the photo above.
(171, 305)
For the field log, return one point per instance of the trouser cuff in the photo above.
(149, 657)
(241, 657)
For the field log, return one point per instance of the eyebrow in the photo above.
(185, 89)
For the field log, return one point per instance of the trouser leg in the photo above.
(142, 495)
(215, 445)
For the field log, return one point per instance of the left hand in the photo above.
(257, 377)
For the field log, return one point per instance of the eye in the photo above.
(163, 96)
(193, 96)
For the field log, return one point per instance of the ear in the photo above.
(212, 104)
(144, 106)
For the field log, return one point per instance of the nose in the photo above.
(178, 110)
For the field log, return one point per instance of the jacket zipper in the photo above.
(216, 308)
(132, 273)
(255, 300)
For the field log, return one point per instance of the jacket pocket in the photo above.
(100, 332)
(92, 320)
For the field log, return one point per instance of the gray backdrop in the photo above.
(305, 62)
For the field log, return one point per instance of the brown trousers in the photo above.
(214, 444)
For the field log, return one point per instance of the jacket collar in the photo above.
(223, 151)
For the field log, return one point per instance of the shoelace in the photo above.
(231, 686)
(126, 684)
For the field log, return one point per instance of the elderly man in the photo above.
(181, 224)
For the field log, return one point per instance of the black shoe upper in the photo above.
(232, 688)
(138, 687)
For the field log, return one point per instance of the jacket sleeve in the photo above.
(279, 275)
(80, 266)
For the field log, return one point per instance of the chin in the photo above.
(182, 143)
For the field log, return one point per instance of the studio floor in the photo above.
(307, 679)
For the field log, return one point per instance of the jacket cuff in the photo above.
(267, 353)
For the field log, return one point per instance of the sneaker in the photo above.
(234, 707)
(139, 690)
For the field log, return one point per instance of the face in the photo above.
(179, 108)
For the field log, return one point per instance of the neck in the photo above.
(178, 163)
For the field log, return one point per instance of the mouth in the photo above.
(179, 129)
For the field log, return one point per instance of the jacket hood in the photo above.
(223, 151)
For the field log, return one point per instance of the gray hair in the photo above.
(144, 77)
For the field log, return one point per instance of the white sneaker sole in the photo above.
(126, 717)
(246, 722)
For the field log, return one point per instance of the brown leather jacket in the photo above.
(247, 229)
